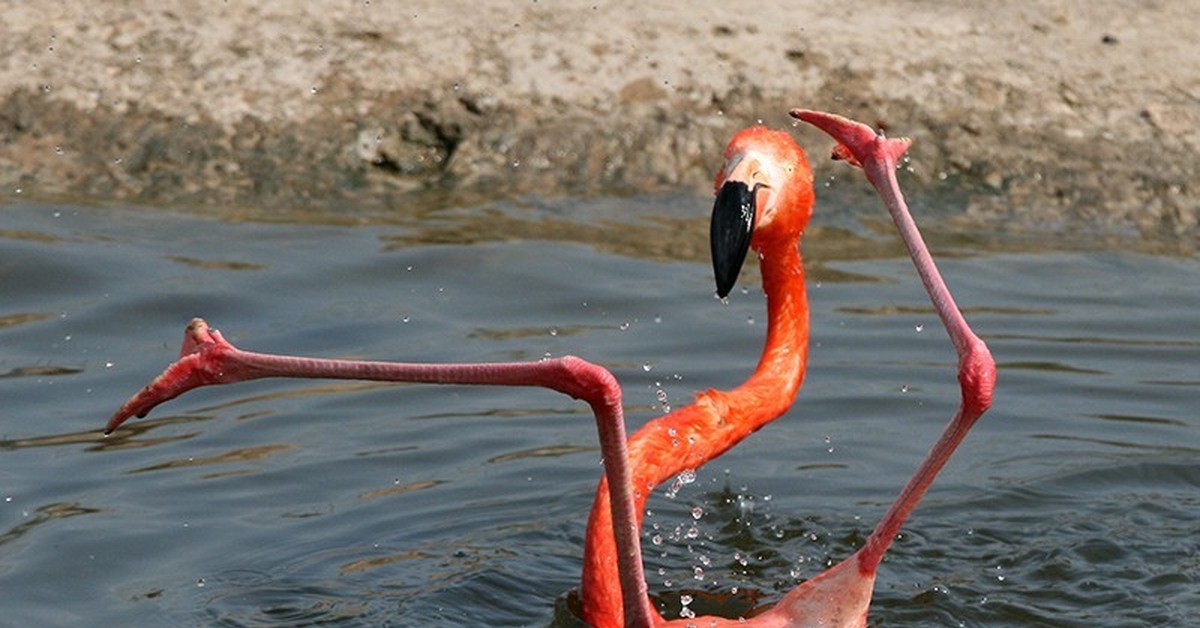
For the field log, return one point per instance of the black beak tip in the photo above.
(725, 285)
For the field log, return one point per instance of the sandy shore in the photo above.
(1080, 113)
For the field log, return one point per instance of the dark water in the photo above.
(1075, 502)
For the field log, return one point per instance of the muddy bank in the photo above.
(1078, 114)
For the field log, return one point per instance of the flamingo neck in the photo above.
(785, 352)
(693, 435)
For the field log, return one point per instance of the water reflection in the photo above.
(244, 454)
(43, 515)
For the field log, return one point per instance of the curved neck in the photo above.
(785, 352)
(693, 435)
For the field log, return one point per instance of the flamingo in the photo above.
(764, 197)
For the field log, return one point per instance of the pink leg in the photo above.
(208, 359)
(878, 156)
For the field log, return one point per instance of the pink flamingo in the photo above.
(764, 200)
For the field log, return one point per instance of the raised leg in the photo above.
(878, 157)
(208, 359)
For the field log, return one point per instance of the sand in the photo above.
(1038, 115)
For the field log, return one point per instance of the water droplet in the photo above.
(656, 539)
(624, 326)
(904, 388)
(313, 89)
(647, 367)
(553, 331)
(698, 572)
(405, 319)
(681, 480)
(58, 150)
(108, 365)
(697, 512)
(749, 320)
(200, 582)
(920, 328)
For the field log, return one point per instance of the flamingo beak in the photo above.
(734, 214)
(732, 223)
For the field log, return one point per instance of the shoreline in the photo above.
(1076, 113)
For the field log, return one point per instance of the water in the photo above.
(273, 503)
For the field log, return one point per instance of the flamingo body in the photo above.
(764, 200)
(772, 162)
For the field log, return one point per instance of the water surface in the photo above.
(1073, 503)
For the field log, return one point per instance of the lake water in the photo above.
(1074, 502)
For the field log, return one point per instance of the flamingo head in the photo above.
(764, 193)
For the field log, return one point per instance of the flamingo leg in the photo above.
(208, 359)
(878, 157)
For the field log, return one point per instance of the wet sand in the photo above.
(1046, 115)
